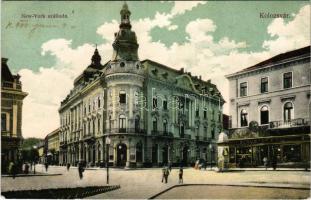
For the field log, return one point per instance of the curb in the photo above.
(232, 185)
(26, 175)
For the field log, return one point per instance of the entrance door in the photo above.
(165, 155)
(185, 156)
(155, 154)
(121, 155)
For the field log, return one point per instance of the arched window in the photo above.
(98, 125)
(264, 115)
(165, 126)
(155, 124)
(137, 123)
(288, 111)
(122, 124)
(244, 121)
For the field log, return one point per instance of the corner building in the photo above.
(153, 114)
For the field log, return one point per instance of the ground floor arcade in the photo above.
(138, 151)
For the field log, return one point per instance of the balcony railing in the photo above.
(7, 84)
(290, 123)
(162, 133)
(126, 130)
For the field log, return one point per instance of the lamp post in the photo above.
(107, 157)
(34, 159)
(210, 147)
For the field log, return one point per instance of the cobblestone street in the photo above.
(145, 183)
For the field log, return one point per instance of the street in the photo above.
(145, 183)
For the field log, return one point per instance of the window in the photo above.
(3, 122)
(165, 104)
(110, 123)
(155, 124)
(243, 89)
(122, 124)
(98, 125)
(287, 80)
(205, 114)
(98, 102)
(264, 115)
(182, 130)
(244, 121)
(93, 127)
(137, 123)
(288, 111)
(213, 133)
(165, 126)
(122, 97)
(197, 112)
(154, 102)
(264, 85)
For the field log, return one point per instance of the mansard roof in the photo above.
(276, 59)
(198, 84)
(6, 74)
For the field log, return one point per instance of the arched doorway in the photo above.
(139, 152)
(185, 155)
(165, 155)
(121, 154)
(155, 154)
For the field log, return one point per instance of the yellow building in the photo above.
(52, 140)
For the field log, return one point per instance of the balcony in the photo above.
(11, 85)
(162, 133)
(289, 124)
(126, 130)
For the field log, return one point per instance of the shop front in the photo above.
(288, 151)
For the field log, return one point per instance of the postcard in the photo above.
(155, 99)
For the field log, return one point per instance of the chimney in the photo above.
(4, 60)
(200, 77)
(182, 70)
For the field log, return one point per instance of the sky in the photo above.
(211, 39)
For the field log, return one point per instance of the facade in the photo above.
(11, 115)
(41, 152)
(152, 114)
(269, 111)
(52, 147)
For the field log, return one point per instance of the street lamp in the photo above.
(34, 159)
(107, 158)
(211, 148)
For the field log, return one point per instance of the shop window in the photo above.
(244, 121)
(292, 153)
(264, 115)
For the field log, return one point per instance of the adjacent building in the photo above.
(11, 115)
(270, 111)
(138, 113)
(52, 147)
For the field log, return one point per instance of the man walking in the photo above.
(80, 170)
(181, 173)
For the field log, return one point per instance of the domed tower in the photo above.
(124, 76)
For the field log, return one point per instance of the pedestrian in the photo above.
(274, 162)
(170, 166)
(265, 162)
(163, 174)
(26, 168)
(181, 173)
(46, 166)
(68, 166)
(81, 170)
(166, 174)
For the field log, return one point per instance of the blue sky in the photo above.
(211, 39)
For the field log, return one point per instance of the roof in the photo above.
(6, 74)
(276, 59)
